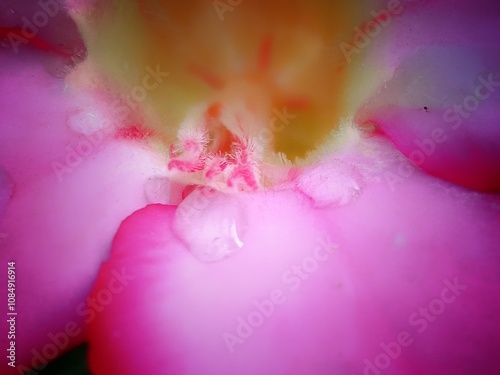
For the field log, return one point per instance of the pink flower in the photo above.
(284, 247)
(63, 192)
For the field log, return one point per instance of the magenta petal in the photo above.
(57, 224)
(441, 104)
(38, 25)
(345, 283)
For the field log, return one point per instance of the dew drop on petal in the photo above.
(212, 224)
(331, 184)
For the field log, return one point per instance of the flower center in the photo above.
(231, 92)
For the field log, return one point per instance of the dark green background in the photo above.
(71, 363)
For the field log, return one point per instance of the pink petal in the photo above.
(57, 224)
(156, 309)
(440, 104)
